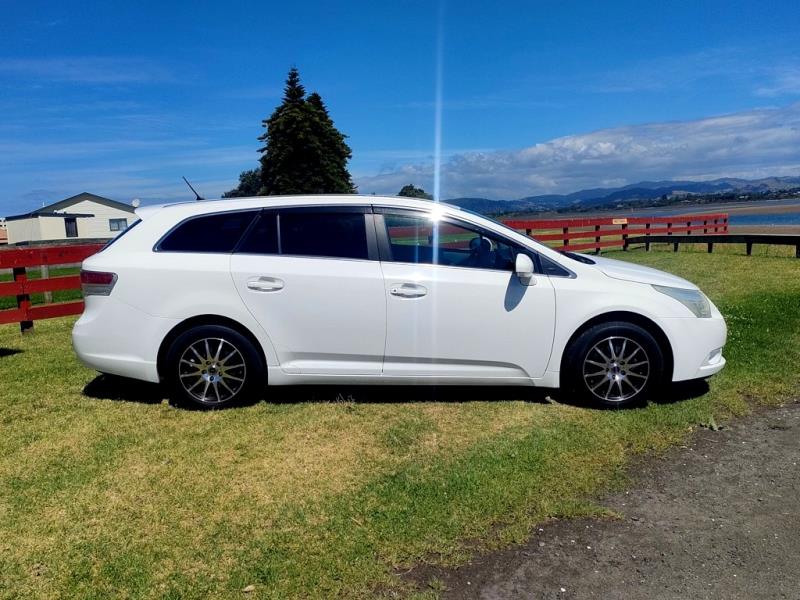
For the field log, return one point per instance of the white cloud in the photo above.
(755, 143)
(86, 69)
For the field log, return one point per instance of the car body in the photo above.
(366, 289)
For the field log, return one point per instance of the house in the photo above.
(85, 216)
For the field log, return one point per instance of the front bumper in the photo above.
(696, 346)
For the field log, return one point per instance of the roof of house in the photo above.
(40, 213)
(55, 209)
(86, 196)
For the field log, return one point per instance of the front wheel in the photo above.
(212, 366)
(614, 364)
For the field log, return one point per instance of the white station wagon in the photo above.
(218, 299)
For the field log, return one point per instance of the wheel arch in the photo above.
(209, 319)
(631, 317)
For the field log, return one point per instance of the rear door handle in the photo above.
(408, 290)
(264, 284)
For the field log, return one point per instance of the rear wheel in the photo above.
(213, 366)
(614, 364)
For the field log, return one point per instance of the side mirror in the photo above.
(524, 268)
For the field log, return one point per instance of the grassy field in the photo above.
(107, 491)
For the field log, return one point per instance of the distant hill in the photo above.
(638, 193)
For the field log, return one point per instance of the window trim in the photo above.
(157, 246)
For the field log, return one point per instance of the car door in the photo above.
(455, 308)
(311, 277)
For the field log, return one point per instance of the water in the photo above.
(765, 220)
(755, 219)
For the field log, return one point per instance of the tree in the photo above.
(409, 191)
(249, 185)
(302, 152)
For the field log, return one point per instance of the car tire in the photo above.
(614, 365)
(213, 366)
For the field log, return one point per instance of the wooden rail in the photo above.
(619, 230)
(19, 259)
(737, 238)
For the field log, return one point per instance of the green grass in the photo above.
(134, 499)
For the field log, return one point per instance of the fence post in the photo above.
(528, 232)
(749, 248)
(725, 220)
(705, 229)
(44, 273)
(647, 237)
(688, 228)
(624, 237)
(710, 247)
(669, 228)
(23, 300)
(565, 240)
(715, 226)
(597, 239)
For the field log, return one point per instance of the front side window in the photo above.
(117, 224)
(421, 239)
(335, 234)
(217, 233)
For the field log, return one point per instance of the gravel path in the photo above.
(716, 519)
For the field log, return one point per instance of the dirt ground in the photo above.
(718, 518)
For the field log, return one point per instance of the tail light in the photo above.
(97, 283)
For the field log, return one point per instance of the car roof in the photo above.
(200, 207)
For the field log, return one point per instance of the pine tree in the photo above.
(249, 185)
(334, 151)
(302, 151)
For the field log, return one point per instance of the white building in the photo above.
(85, 216)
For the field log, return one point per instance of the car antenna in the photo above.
(197, 196)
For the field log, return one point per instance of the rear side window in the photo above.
(262, 237)
(329, 234)
(218, 233)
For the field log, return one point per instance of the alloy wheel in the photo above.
(212, 370)
(616, 369)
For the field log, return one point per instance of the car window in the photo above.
(262, 238)
(335, 234)
(216, 233)
(420, 239)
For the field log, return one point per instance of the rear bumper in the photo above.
(114, 337)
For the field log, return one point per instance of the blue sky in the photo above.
(121, 99)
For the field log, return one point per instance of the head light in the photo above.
(694, 300)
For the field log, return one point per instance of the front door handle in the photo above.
(408, 290)
(264, 284)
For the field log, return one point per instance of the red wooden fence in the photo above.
(597, 228)
(19, 259)
(615, 230)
